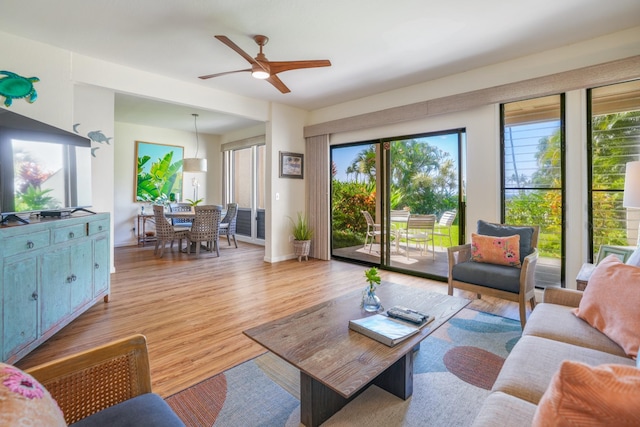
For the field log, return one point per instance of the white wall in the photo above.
(52, 66)
(93, 111)
(284, 133)
(614, 46)
(126, 208)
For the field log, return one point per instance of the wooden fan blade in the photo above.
(274, 80)
(280, 66)
(208, 76)
(235, 47)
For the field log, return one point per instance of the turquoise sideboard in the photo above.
(53, 270)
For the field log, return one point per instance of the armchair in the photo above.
(107, 385)
(501, 281)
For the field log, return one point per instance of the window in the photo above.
(245, 185)
(532, 146)
(614, 140)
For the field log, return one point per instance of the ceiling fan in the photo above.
(262, 68)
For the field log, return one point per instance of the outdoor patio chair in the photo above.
(420, 230)
(373, 230)
(443, 227)
(513, 279)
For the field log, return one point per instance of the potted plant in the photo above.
(370, 301)
(302, 234)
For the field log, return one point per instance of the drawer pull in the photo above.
(34, 295)
(71, 235)
(30, 244)
(99, 228)
(96, 266)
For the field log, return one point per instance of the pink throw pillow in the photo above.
(25, 402)
(583, 395)
(496, 250)
(611, 303)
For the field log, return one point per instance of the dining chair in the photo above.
(181, 207)
(205, 228)
(228, 223)
(420, 230)
(166, 232)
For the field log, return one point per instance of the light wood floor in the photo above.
(193, 311)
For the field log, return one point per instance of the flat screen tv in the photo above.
(43, 169)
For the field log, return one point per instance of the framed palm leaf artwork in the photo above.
(158, 172)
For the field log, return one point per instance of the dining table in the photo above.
(189, 215)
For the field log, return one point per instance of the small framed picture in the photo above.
(291, 165)
(621, 252)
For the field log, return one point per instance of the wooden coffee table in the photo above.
(337, 364)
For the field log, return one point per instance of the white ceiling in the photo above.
(373, 45)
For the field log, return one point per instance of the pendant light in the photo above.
(195, 164)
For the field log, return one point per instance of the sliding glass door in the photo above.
(397, 203)
(423, 179)
(355, 235)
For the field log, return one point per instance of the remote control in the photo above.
(404, 314)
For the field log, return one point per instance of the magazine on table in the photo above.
(387, 330)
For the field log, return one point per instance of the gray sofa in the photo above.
(552, 334)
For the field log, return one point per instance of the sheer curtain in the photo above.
(317, 150)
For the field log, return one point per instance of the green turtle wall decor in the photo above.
(14, 86)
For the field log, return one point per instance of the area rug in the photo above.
(453, 373)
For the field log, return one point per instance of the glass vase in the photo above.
(370, 301)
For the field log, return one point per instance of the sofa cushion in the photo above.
(611, 300)
(544, 320)
(528, 370)
(25, 402)
(501, 409)
(490, 275)
(606, 395)
(496, 250)
(500, 230)
(144, 410)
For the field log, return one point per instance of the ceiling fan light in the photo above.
(258, 73)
